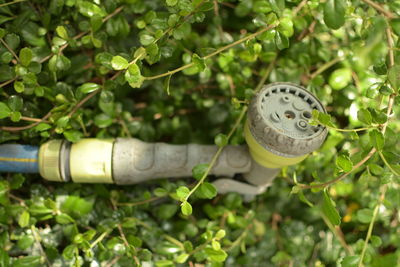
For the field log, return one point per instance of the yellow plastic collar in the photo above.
(264, 157)
(49, 160)
(91, 161)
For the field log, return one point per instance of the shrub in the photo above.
(182, 71)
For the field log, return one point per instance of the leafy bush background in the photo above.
(73, 69)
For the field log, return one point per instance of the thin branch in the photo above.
(32, 119)
(371, 224)
(11, 3)
(387, 163)
(138, 203)
(76, 37)
(216, 155)
(355, 167)
(37, 238)
(266, 75)
(7, 82)
(83, 101)
(17, 129)
(390, 45)
(349, 130)
(337, 232)
(220, 50)
(99, 239)
(9, 49)
(378, 7)
(299, 7)
(324, 67)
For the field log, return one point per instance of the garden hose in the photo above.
(277, 133)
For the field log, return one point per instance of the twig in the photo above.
(299, 7)
(37, 238)
(266, 75)
(76, 37)
(349, 130)
(249, 37)
(378, 7)
(13, 2)
(338, 234)
(16, 129)
(9, 49)
(83, 101)
(371, 224)
(216, 155)
(138, 203)
(99, 239)
(358, 165)
(113, 261)
(324, 67)
(7, 82)
(387, 163)
(32, 119)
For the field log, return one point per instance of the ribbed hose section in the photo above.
(19, 158)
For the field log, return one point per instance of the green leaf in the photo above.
(15, 102)
(340, 78)
(133, 76)
(15, 116)
(19, 87)
(64, 219)
(221, 140)
(172, 3)
(394, 77)
(344, 163)
(63, 121)
(73, 135)
(5, 111)
(334, 12)
(182, 258)
(351, 261)
(186, 208)
(25, 55)
(76, 206)
(119, 63)
(23, 220)
(28, 261)
(165, 211)
(25, 242)
(89, 9)
(182, 192)
(198, 62)
(103, 120)
(207, 190)
(286, 27)
(329, 210)
(166, 84)
(395, 24)
(365, 215)
(146, 39)
(281, 41)
(215, 255)
(88, 87)
(199, 170)
(42, 127)
(62, 32)
(373, 90)
(377, 139)
(96, 22)
(364, 116)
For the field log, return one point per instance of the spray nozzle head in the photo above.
(278, 124)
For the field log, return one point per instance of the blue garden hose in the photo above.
(19, 158)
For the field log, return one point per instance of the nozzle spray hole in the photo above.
(290, 114)
(306, 115)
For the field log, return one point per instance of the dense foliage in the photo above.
(182, 71)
